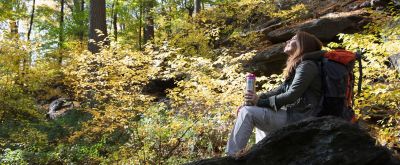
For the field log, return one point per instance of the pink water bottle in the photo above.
(250, 85)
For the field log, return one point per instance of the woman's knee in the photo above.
(247, 110)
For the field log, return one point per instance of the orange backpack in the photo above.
(338, 82)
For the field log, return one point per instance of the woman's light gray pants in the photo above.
(249, 117)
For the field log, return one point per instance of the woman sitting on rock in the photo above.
(297, 98)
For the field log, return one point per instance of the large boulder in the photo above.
(378, 4)
(381, 4)
(395, 61)
(325, 28)
(287, 4)
(59, 107)
(269, 60)
(325, 140)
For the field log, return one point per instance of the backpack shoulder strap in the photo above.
(359, 54)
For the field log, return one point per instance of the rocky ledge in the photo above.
(324, 140)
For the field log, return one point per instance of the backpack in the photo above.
(338, 82)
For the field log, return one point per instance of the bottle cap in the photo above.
(251, 75)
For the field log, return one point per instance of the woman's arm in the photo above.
(263, 100)
(275, 91)
(304, 75)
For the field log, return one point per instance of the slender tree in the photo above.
(27, 60)
(140, 23)
(61, 32)
(114, 14)
(115, 25)
(81, 22)
(197, 6)
(31, 20)
(97, 21)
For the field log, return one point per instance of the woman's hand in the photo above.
(251, 96)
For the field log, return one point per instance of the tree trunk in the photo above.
(115, 26)
(97, 22)
(189, 7)
(115, 19)
(149, 23)
(140, 23)
(31, 21)
(81, 32)
(27, 60)
(13, 24)
(197, 7)
(61, 33)
(169, 26)
(15, 37)
(149, 29)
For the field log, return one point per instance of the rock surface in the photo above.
(378, 4)
(395, 61)
(287, 4)
(59, 107)
(269, 61)
(324, 140)
(325, 29)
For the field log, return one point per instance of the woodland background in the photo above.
(157, 81)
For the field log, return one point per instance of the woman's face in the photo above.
(291, 46)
